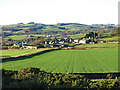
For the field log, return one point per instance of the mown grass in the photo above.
(70, 61)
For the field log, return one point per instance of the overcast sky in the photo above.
(59, 11)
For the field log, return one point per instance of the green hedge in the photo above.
(35, 78)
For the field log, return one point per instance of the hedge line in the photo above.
(35, 78)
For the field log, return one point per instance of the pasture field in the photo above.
(48, 28)
(107, 34)
(18, 37)
(111, 38)
(99, 45)
(76, 35)
(39, 35)
(19, 31)
(70, 61)
(74, 27)
(52, 29)
(14, 53)
(6, 31)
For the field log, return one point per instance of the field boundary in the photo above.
(93, 76)
(99, 75)
(83, 48)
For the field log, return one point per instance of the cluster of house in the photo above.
(59, 43)
(54, 43)
(62, 42)
(23, 45)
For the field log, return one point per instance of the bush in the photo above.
(35, 78)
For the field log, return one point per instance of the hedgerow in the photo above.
(35, 78)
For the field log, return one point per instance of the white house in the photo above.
(15, 44)
(45, 42)
(50, 42)
(76, 41)
(61, 42)
(83, 41)
(29, 47)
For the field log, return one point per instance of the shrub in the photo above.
(35, 78)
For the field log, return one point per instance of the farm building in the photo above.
(15, 44)
(61, 42)
(51, 42)
(46, 42)
(29, 47)
(70, 40)
(83, 41)
(55, 41)
(76, 41)
(91, 42)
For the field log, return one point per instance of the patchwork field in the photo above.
(70, 61)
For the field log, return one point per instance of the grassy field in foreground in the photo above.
(13, 53)
(70, 61)
(99, 45)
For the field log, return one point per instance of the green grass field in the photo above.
(76, 35)
(19, 31)
(18, 37)
(52, 29)
(99, 45)
(39, 35)
(14, 53)
(70, 61)
(111, 38)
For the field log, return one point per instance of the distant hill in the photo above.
(59, 28)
